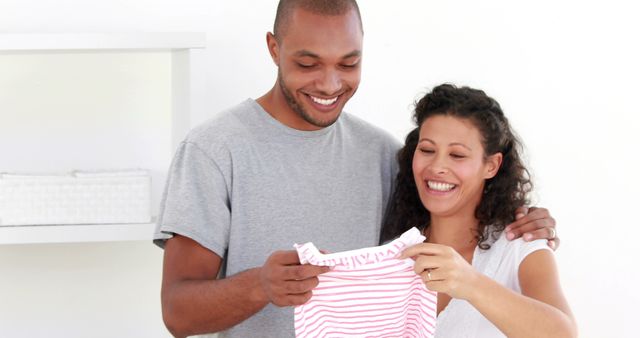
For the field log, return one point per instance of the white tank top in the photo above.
(501, 263)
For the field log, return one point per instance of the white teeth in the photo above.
(440, 186)
(324, 102)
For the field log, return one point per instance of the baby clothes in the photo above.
(367, 293)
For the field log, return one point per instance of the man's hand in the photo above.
(534, 223)
(285, 281)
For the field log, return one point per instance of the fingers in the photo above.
(302, 272)
(554, 243)
(537, 213)
(299, 286)
(521, 212)
(299, 299)
(286, 265)
(537, 218)
(286, 282)
(537, 234)
(429, 256)
(285, 257)
(421, 249)
(291, 293)
(532, 230)
(532, 215)
(437, 286)
(431, 275)
(425, 263)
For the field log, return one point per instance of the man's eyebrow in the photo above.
(302, 53)
(306, 53)
(353, 54)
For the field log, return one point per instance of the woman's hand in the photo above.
(443, 269)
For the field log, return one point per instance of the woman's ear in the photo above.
(492, 165)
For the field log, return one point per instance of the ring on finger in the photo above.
(552, 233)
(428, 275)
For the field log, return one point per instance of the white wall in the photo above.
(100, 290)
(564, 71)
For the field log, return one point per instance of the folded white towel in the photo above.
(80, 197)
(96, 173)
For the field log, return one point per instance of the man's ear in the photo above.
(274, 48)
(492, 165)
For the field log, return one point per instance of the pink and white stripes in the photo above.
(368, 293)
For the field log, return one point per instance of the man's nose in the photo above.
(330, 83)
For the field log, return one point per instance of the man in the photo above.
(288, 167)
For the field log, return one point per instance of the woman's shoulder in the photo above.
(502, 261)
(518, 248)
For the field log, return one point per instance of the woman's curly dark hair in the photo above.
(503, 193)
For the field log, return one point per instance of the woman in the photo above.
(461, 179)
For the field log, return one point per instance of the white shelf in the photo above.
(106, 41)
(34, 234)
(187, 52)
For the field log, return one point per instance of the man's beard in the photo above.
(298, 109)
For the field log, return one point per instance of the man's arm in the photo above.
(195, 302)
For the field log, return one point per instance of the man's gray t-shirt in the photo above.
(243, 185)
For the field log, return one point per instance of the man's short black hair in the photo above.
(321, 7)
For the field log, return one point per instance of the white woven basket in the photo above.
(77, 198)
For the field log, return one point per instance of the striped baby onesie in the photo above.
(367, 293)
